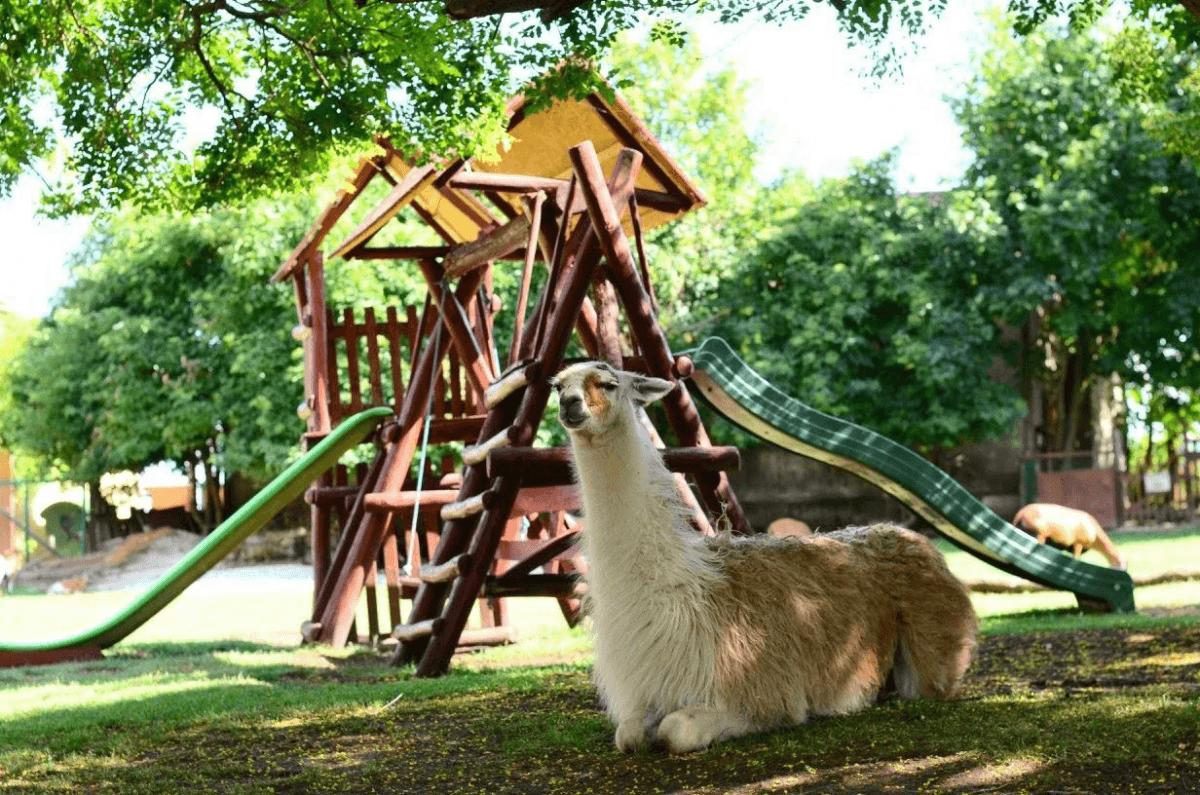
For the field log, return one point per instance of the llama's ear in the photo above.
(647, 390)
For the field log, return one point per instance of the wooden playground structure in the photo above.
(568, 205)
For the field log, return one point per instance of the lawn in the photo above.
(211, 696)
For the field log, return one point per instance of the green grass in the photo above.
(1149, 554)
(212, 694)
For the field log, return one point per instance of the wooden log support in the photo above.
(531, 250)
(557, 585)
(519, 183)
(516, 378)
(449, 305)
(445, 572)
(603, 210)
(551, 466)
(489, 246)
(546, 499)
(463, 508)
(421, 629)
(478, 453)
(367, 168)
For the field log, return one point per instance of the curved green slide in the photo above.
(744, 397)
(244, 522)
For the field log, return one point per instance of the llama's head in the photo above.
(594, 397)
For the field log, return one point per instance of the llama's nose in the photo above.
(570, 408)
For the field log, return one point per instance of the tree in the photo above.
(868, 305)
(286, 86)
(1099, 219)
(167, 345)
(698, 115)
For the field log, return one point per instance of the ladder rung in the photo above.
(421, 629)
(515, 379)
(478, 453)
(445, 572)
(463, 508)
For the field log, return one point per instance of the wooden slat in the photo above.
(516, 378)
(374, 368)
(352, 374)
(331, 370)
(532, 553)
(393, 330)
(463, 508)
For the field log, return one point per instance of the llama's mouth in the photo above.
(571, 421)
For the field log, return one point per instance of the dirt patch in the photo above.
(121, 563)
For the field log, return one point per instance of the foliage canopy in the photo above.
(207, 102)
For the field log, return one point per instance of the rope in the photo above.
(434, 340)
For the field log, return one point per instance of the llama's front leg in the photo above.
(631, 732)
(695, 728)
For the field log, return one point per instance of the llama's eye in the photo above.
(609, 387)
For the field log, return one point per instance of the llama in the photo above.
(1069, 528)
(699, 639)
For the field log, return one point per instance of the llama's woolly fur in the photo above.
(699, 638)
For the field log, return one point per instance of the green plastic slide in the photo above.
(246, 521)
(744, 397)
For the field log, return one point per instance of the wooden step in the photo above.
(421, 629)
(445, 572)
(463, 508)
(478, 453)
(551, 466)
(517, 377)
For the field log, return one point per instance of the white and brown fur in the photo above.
(698, 639)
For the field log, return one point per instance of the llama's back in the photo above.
(803, 624)
(815, 620)
(937, 622)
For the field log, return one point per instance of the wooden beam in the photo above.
(551, 466)
(366, 170)
(398, 252)
(489, 246)
(519, 183)
(535, 585)
(415, 181)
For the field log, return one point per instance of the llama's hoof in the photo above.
(631, 735)
(683, 733)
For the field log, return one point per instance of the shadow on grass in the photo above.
(552, 738)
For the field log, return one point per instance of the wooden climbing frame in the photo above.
(500, 520)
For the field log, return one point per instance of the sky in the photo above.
(811, 102)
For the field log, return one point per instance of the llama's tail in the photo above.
(936, 622)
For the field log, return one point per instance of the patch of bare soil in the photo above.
(121, 563)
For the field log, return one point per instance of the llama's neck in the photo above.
(635, 519)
